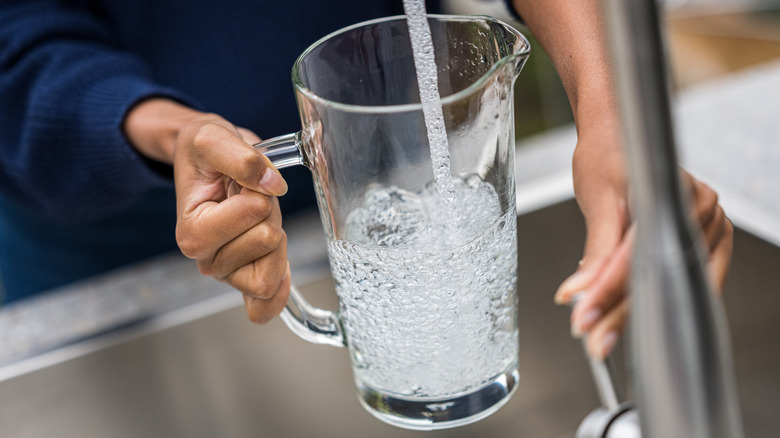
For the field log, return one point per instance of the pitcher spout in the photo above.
(512, 46)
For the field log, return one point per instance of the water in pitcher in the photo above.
(426, 280)
(428, 314)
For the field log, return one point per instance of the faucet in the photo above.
(683, 377)
(615, 418)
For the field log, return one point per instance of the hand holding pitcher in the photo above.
(238, 240)
(427, 287)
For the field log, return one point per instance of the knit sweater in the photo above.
(75, 198)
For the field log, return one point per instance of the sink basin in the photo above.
(205, 371)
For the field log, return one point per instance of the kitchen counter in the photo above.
(728, 136)
(139, 292)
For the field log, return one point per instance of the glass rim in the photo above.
(525, 49)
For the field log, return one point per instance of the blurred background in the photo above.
(706, 39)
(156, 349)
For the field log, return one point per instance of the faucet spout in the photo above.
(683, 375)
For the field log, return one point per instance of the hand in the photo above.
(602, 278)
(228, 216)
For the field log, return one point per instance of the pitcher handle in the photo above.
(310, 323)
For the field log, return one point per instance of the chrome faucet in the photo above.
(615, 418)
(683, 376)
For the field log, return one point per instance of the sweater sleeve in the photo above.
(64, 92)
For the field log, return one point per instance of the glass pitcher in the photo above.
(426, 287)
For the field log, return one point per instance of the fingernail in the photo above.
(576, 297)
(571, 286)
(273, 182)
(607, 344)
(584, 322)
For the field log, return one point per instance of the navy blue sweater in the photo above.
(75, 198)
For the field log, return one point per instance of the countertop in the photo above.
(728, 136)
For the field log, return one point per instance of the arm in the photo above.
(573, 34)
(65, 91)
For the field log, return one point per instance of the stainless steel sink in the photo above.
(205, 371)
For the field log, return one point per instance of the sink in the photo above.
(205, 371)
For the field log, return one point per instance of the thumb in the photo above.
(606, 224)
(247, 135)
(217, 146)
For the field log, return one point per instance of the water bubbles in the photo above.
(386, 218)
(430, 309)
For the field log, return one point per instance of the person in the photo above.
(123, 121)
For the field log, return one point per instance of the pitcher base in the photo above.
(432, 414)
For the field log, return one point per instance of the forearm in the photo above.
(574, 35)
